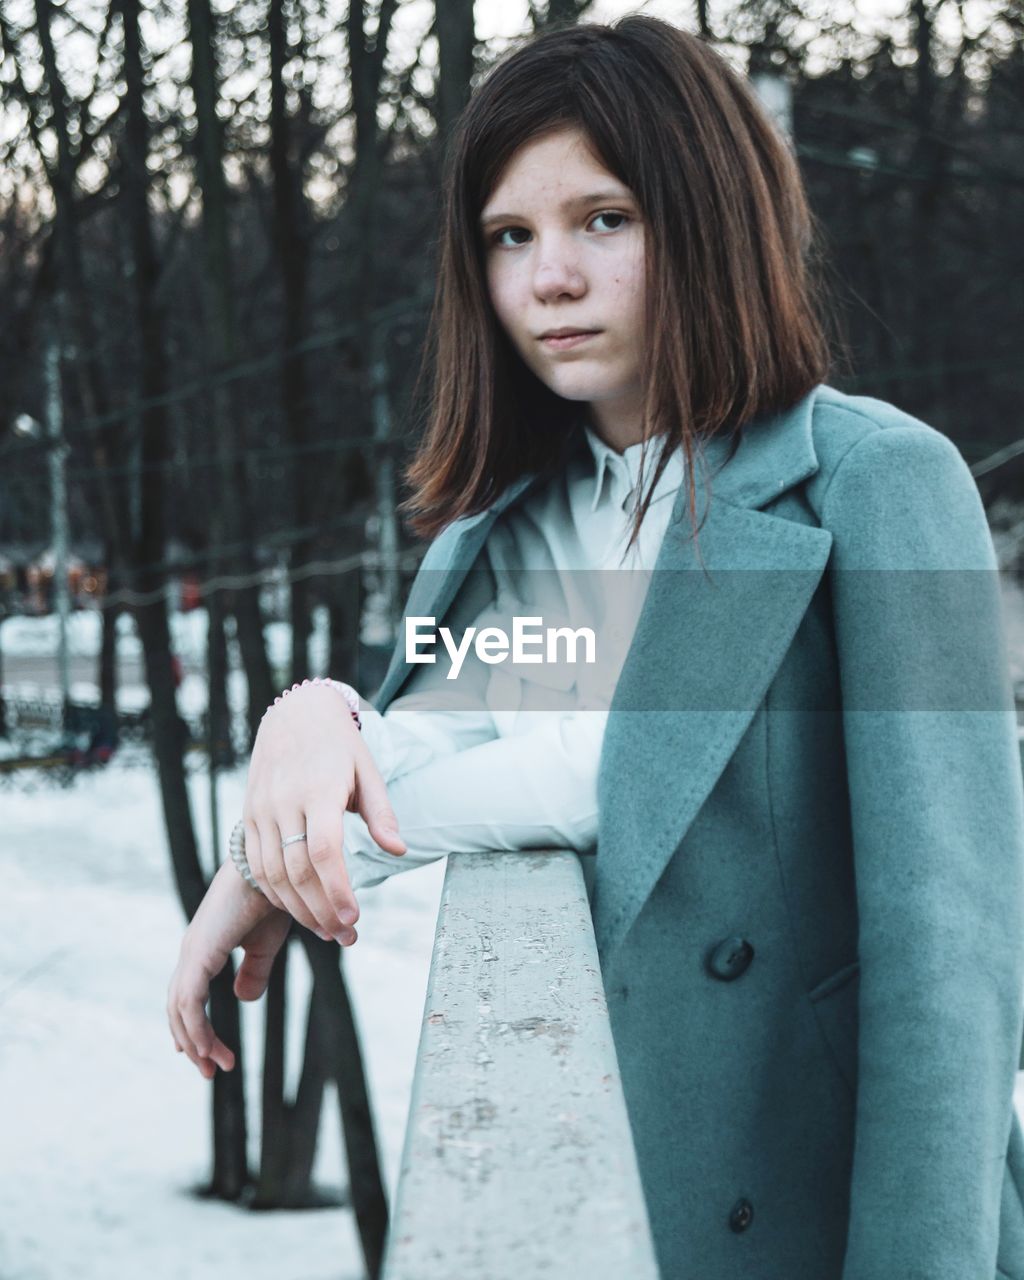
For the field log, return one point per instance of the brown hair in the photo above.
(733, 331)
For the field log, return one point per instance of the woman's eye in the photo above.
(621, 216)
(496, 238)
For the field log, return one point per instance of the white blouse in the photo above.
(512, 762)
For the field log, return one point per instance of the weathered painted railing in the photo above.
(518, 1156)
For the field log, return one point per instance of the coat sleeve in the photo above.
(937, 815)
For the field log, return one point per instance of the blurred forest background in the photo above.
(217, 253)
(217, 236)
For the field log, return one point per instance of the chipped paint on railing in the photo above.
(518, 1156)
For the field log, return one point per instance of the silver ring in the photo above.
(293, 839)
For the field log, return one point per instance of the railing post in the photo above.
(518, 1158)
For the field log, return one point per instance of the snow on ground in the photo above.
(38, 637)
(106, 1127)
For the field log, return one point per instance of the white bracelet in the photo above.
(236, 846)
(347, 692)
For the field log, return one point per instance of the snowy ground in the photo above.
(106, 1128)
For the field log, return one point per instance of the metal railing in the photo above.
(518, 1157)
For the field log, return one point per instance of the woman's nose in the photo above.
(557, 273)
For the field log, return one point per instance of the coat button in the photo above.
(730, 958)
(742, 1215)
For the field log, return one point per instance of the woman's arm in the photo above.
(536, 789)
(310, 765)
(434, 718)
(938, 835)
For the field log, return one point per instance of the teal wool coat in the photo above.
(808, 893)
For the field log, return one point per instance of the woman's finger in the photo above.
(182, 1040)
(304, 860)
(254, 857)
(290, 874)
(324, 825)
(276, 875)
(192, 1012)
(372, 803)
(210, 1050)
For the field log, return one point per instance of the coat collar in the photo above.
(707, 645)
(776, 453)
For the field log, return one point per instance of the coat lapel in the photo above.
(715, 626)
(705, 650)
(442, 571)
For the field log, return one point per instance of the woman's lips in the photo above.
(570, 340)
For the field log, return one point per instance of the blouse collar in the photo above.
(622, 469)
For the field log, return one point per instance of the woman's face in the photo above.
(564, 247)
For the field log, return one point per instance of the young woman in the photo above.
(800, 771)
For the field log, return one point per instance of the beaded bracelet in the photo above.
(236, 847)
(346, 691)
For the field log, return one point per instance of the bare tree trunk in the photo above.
(332, 1010)
(274, 1138)
(929, 159)
(290, 1131)
(220, 320)
(343, 621)
(365, 65)
(304, 1114)
(221, 746)
(108, 643)
(291, 238)
(75, 313)
(230, 1172)
(453, 21)
(3, 704)
(558, 13)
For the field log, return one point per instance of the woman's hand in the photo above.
(309, 764)
(231, 914)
